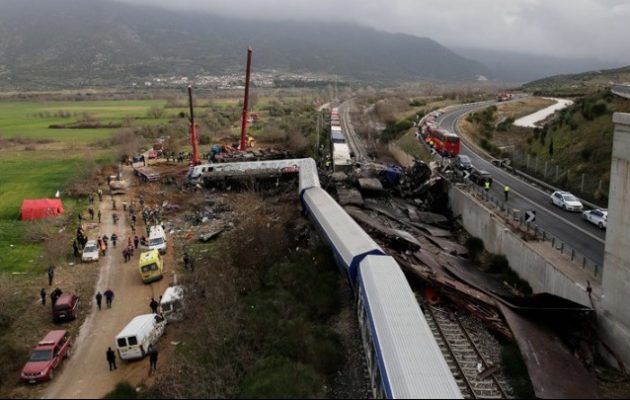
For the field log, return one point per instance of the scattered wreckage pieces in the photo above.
(431, 230)
(206, 237)
(473, 301)
(448, 246)
(370, 185)
(339, 176)
(555, 373)
(349, 197)
(395, 237)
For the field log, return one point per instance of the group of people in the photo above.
(152, 352)
(109, 298)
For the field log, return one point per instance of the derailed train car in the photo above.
(403, 358)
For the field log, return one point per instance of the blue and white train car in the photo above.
(349, 242)
(404, 360)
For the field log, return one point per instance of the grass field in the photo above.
(32, 119)
(48, 167)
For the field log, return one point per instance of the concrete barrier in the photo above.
(523, 257)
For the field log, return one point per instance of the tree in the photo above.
(155, 112)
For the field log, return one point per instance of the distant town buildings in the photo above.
(265, 79)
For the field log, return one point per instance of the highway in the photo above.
(570, 228)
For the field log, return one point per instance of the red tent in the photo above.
(41, 208)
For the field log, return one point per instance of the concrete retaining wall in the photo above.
(524, 260)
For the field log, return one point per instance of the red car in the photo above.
(47, 356)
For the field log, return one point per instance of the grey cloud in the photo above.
(568, 28)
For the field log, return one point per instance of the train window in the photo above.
(453, 139)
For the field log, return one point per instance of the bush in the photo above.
(475, 248)
(278, 377)
(204, 140)
(586, 153)
(123, 390)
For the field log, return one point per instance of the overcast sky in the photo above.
(569, 28)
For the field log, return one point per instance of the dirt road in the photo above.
(86, 374)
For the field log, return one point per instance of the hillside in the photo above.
(578, 84)
(572, 151)
(514, 67)
(78, 43)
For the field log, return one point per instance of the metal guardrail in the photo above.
(524, 176)
(538, 233)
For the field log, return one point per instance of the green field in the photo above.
(32, 119)
(47, 167)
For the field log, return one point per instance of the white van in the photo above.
(157, 239)
(172, 303)
(134, 340)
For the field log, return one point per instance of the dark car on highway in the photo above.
(480, 177)
(463, 162)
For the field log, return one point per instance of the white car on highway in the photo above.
(566, 201)
(597, 217)
(90, 251)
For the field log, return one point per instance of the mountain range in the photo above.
(75, 43)
(78, 43)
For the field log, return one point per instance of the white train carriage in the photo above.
(342, 158)
(404, 360)
(309, 176)
(349, 242)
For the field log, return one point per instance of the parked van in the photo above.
(134, 340)
(157, 238)
(150, 266)
(66, 307)
(172, 303)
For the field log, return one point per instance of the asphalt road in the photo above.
(570, 228)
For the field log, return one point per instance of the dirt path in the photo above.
(86, 374)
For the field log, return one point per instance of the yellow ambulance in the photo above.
(150, 266)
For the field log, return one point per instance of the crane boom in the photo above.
(243, 145)
(193, 130)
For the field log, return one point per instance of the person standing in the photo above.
(99, 299)
(109, 297)
(136, 239)
(111, 358)
(154, 305)
(153, 357)
(51, 274)
(100, 195)
(114, 239)
(486, 187)
(506, 191)
(42, 294)
(75, 248)
(99, 216)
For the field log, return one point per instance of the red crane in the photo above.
(193, 131)
(246, 102)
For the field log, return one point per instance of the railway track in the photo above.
(471, 371)
(355, 143)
